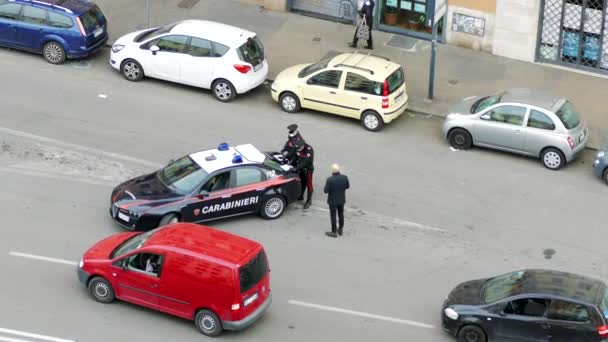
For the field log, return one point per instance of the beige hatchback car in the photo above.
(366, 87)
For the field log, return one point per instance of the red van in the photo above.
(219, 280)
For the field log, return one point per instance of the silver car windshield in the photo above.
(484, 103)
(568, 115)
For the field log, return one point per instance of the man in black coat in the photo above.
(290, 148)
(335, 188)
(367, 12)
(305, 155)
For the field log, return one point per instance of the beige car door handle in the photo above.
(332, 92)
(363, 98)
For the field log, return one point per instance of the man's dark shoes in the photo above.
(331, 234)
(307, 205)
(340, 231)
(369, 47)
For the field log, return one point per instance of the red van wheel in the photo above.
(208, 323)
(101, 290)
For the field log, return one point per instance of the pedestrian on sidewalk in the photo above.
(290, 149)
(305, 167)
(364, 28)
(335, 188)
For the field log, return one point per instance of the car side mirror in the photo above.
(154, 49)
(485, 116)
(203, 194)
(171, 161)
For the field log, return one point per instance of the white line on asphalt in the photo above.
(77, 147)
(43, 258)
(11, 339)
(31, 335)
(361, 314)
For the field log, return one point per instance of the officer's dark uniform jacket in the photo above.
(305, 159)
(291, 147)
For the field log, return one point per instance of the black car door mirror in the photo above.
(203, 194)
(154, 49)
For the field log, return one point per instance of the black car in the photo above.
(206, 185)
(528, 305)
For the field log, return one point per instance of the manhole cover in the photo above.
(316, 39)
(453, 82)
(402, 42)
(188, 4)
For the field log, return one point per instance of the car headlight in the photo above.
(601, 154)
(81, 263)
(451, 313)
(117, 47)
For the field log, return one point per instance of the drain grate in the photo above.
(402, 42)
(187, 4)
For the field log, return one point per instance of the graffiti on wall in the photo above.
(468, 24)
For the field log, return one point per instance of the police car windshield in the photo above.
(183, 175)
(132, 243)
(273, 165)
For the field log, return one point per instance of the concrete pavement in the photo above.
(292, 38)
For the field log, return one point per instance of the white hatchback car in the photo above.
(204, 54)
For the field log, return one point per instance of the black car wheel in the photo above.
(208, 323)
(168, 219)
(471, 333)
(371, 121)
(553, 159)
(132, 70)
(289, 102)
(223, 90)
(273, 207)
(605, 175)
(101, 290)
(460, 139)
(54, 53)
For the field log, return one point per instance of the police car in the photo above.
(207, 185)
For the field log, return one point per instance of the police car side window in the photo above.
(217, 182)
(246, 176)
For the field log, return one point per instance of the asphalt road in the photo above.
(420, 217)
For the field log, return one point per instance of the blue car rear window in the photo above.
(92, 19)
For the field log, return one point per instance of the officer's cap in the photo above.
(292, 128)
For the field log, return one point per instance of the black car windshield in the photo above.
(183, 175)
(568, 115)
(604, 304)
(502, 286)
(484, 103)
(253, 272)
(320, 65)
(132, 243)
(154, 33)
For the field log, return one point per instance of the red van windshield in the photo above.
(253, 272)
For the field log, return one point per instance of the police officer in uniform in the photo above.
(304, 158)
(290, 148)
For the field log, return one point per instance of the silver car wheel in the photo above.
(131, 70)
(207, 322)
(274, 207)
(53, 53)
(223, 91)
(552, 160)
(101, 290)
(371, 121)
(289, 103)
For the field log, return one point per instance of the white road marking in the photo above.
(11, 339)
(42, 258)
(103, 96)
(454, 149)
(361, 314)
(81, 148)
(30, 335)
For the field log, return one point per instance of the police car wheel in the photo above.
(208, 323)
(471, 333)
(289, 102)
(101, 290)
(132, 70)
(168, 219)
(460, 139)
(223, 90)
(605, 175)
(371, 121)
(273, 207)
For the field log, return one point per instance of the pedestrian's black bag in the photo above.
(363, 29)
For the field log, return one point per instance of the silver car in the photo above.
(520, 121)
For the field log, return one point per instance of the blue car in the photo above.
(600, 165)
(58, 29)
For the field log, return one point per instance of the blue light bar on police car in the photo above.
(223, 147)
(237, 159)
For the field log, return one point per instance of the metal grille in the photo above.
(573, 33)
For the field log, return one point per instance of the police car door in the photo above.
(247, 185)
(207, 203)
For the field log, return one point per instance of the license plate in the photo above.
(257, 67)
(250, 299)
(98, 32)
(399, 98)
(123, 217)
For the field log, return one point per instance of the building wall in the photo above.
(470, 24)
(516, 29)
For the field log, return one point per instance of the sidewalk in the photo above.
(291, 38)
